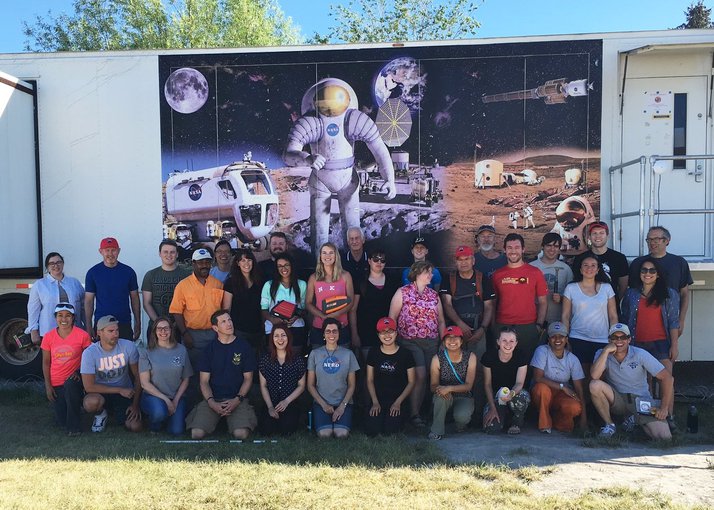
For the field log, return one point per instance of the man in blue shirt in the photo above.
(114, 287)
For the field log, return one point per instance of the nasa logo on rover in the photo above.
(332, 130)
(194, 192)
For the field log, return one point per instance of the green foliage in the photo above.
(401, 20)
(156, 24)
(698, 16)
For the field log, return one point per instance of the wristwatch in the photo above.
(241, 398)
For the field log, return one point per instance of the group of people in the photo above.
(494, 335)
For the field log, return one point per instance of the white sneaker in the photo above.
(100, 421)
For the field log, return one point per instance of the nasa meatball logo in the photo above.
(332, 130)
(194, 192)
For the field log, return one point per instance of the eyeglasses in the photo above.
(655, 239)
(55, 264)
(284, 266)
(163, 328)
(381, 260)
(650, 270)
(332, 331)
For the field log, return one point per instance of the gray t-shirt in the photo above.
(110, 368)
(168, 367)
(331, 371)
(558, 370)
(589, 320)
(161, 284)
(557, 276)
(630, 376)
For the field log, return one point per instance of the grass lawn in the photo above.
(41, 468)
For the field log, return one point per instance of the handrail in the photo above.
(642, 160)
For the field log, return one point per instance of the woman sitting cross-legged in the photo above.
(504, 373)
(558, 391)
(452, 371)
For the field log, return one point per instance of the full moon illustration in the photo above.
(186, 90)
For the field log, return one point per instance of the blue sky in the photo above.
(499, 18)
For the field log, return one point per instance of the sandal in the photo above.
(514, 430)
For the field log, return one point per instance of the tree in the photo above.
(161, 24)
(698, 16)
(400, 20)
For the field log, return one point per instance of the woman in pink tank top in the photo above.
(420, 323)
(329, 281)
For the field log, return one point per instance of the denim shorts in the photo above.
(657, 348)
(322, 420)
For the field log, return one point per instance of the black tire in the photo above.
(13, 318)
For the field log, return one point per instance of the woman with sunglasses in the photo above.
(286, 287)
(62, 349)
(164, 372)
(372, 298)
(651, 311)
(331, 381)
(241, 296)
(282, 381)
(47, 292)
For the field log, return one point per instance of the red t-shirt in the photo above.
(650, 326)
(517, 290)
(65, 353)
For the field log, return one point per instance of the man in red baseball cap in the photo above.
(113, 288)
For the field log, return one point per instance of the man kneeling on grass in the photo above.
(624, 387)
(226, 373)
(110, 375)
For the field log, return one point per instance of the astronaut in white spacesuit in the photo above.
(330, 124)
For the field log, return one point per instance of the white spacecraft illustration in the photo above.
(551, 92)
(237, 202)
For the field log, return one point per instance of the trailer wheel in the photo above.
(16, 364)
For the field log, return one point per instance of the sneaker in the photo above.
(434, 437)
(416, 421)
(545, 431)
(100, 421)
(672, 424)
(608, 430)
(629, 424)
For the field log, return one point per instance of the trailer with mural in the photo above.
(403, 140)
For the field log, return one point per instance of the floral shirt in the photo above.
(419, 317)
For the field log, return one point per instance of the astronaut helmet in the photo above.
(330, 97)
(573, 212)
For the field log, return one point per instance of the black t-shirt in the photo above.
(390, 373)
(467, 305)
(676, 268)
(357, 268)
(503, 374)
(245, 307)
(373, 305)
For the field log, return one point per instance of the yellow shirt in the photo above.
(197, 302)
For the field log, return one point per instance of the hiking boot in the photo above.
(607, 431)
(100, 421)
(629, 424)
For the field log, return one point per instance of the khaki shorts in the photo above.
(624, 405)
(204, 418)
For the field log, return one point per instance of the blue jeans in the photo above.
(158, 413)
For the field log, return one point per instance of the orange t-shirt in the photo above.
(65, 353)
(650, 326)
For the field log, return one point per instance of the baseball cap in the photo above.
(419, 240)
(386, 323)
(463, 251)
(105, 321)
(557, 328)
(201, 254)
(108, 242)
(452, 331)
(486, 228)
(64, 307)
(599, 224)
(619, 328)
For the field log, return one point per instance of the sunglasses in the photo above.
(650, 270)
(379, 259)
(620, 337)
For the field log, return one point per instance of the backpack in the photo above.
(478, 277)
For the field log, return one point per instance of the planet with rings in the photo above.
(186, 90)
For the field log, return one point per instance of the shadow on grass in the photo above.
(29, 432)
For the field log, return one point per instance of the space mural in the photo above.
(428, 141)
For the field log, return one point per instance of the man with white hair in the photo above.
(354, 260)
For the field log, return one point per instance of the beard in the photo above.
(486, 247)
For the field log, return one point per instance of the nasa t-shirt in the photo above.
(331, 370)
(390, 373)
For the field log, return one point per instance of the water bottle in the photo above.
(309, 420)
(693, 420)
